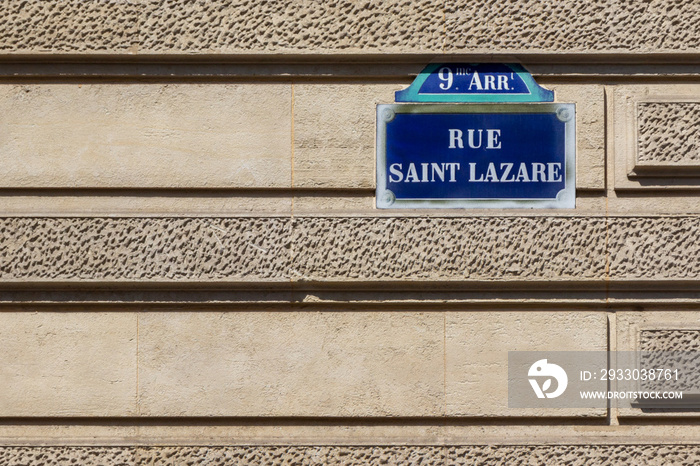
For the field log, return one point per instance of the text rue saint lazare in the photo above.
(493, 172)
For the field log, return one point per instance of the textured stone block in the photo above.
(655, 136)
(64, 456)
(654, 329)
(153, 249)
(295, 455)
(575, 455)
(306, 26)
(668, 133)
(240, 26)
(67, 364)
(654, 248)
(145, 135)
(69, 26)
(571, 26)
(476, 355)
(299, 25)
(670, 340)
(334, 143)
(661, 329)
(291, 364)
(669, 349)
(271, 249)
(449, 248)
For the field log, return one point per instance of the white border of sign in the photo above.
(566, 198)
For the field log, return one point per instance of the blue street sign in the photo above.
(476, 155)
(474, 82)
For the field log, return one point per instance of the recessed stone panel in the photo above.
(671, 339)
(668, 134)
(656, 140)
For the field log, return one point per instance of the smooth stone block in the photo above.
(145, 136)
(329, 364)
(65, 364)
(477, 346)
(334, 124)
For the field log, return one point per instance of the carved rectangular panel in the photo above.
(656, 137)
(661, 338)
(668, 138)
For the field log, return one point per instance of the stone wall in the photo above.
(304, 26)
(193, 270)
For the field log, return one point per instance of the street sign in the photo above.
(469, 82)
(476, 155)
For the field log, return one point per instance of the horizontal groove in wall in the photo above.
(536, 297)
(319, 433)
(621, 57)
(612, 69)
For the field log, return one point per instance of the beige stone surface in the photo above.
(73, 364)
(448, 455)
(366, 432)
(654, 248)
(347, 26)
(571, 26)
(476, 355)
(333, 364)
(342, 249)
(657, 328)
(637, 204)
(653, 137)
(590, 131)
(333, 203)
(145, 135)
(668, 133)
(137, 250)
(334, 133)
(220, 288)
(458, 249)
(314, 202)
(74, 204)
(341, 203)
